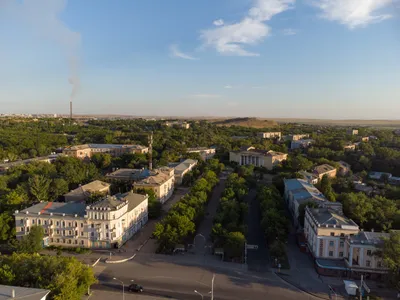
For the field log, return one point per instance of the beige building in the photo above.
(344, 168)
(350, 147)
(177, 124)
(258, 158)
(270, 135)
(83, 192)
(325, 169)
(352, 131)
(205, 153)
(107, 223)
(183, 168)
(161, 181)
(296, 137)
(87, 150)
(365, 139)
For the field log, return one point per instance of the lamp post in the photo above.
(201, 295)
(123, 288)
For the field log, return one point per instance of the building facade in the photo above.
(183, 168)
(87, 150)
(270, 135)
(325, 169)
(205, 153)
(82, 193)
(161, 181)
(108, 223)
(296, 137)
(258, 158)
(301, 144)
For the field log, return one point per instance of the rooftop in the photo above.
(327, 217)
(199, 149)
(183, 166)
(344, 164)
(323, 169)
(369, 237)
(56, 208)
(259, 152)
(158, 177)
(93, 186)
(117, 201)
(108, 146)
(129, 174)
(303, 191)
(22, 293)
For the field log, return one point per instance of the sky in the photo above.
(324, 59)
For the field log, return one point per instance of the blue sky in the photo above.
(264, 58)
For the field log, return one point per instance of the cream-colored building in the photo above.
(352, 131)
(205, 153)
(183, 168)
(258, 158)
(178, 124)
(87, 150)
(82, 193)
(350, 147)
(296, 137)
(325, 169)
(161, 181)
(269, 135)
(107, 223)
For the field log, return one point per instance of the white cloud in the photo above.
(205, 96)
(218, 22)
(230, 39)
(228, 87)
(353, 13)
(175, 52)
(289, 31)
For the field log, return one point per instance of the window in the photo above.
(45, 231)
(368, 263)
(45, 222)
(341, 244)
(76, 224)
(21, 222)
(369, 252)
(114, 217)
(107, 234)
(64, 232)
(76, 242)
(332, 234)
(69, 224)
(331, 243)
(63, 241)
(63, 224)
(82, 233)
(340, 254)
(58, 231)
(342, 234)
(82, 242)
(106, 226)
(379, 264)
(331, 253)
(81, 225)
(22, 228)
(95, 216)
(69, 241)
(69, 232)
(33, 221)
(39, 222)
(92, 234)
(58, 240)
(92, 225)
(57, 223)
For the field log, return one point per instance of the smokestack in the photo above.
(70, 111)
(151, 151)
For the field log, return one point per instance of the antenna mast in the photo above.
(151, 151)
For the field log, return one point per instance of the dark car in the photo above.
(135, 288)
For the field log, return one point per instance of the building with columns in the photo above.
(258, 158)
(108, 223)
(270, 135)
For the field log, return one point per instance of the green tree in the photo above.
(39, 187)
(302, 209)
(7, 231)
(390, 253)
(33, 242)
(101, 160)
(326, 188)
(234, 244)
(58, 187)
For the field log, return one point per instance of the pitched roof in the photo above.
(328, 216)
(91, 187)
(323, 169)
(22, 293)
(369, 237)
(183, 166)
(56, 208)
(158, 177)
(303, 191)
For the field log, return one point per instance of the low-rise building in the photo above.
(108, 223)
(270, 135)
(9, 292)
(365, 139)
(83, 192)
(344, 168)
(183, 168)
(379, 175)
(87, 150)
(48, 159)
(161, 181)
(205, 153)
(296, 137)
(325, 169)
(301, 144)
(394, 180)
(258, 158)
(352, 131)
(129, 175)
(177, 124)
(362, 187)
(350, 147)
(309, 177)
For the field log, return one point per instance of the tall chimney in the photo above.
(151, 151)
(70, 111)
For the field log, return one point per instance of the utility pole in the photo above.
(361, 287)
(151, 151)
(212, 287)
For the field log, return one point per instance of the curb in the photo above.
(141, 246)
(96, 262)
(299, 287)
(120, 261)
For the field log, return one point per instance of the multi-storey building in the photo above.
(296, 137)
(161, 181)
(325, 169)
(301, 144)
(87, 150)
(83, 192)
(270, 135)
(181, 169)
(107, 223)
(258, 158)
(205, 153)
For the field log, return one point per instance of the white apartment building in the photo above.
(108, 223)
(270, 135)
(161, 181)
(205, 153)
(258, 158)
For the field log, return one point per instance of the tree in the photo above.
(58, 187)
(6, 227)
(101, 160)
(234, 244)
(299, 163)
(390, 253)
(39, 187)
(302, 210)
(326, 188)
(33, 242)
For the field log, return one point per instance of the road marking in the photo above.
(173, 278)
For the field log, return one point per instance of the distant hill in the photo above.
(246, 122)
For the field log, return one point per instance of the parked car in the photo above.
(135, 288)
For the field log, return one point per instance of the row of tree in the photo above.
(181, 220)
(230, 226)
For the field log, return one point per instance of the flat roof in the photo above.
(369, 238)
(56, 208)
(22, 293)
(259, 152)
(129, 174)
(328, 216)
(321, 169)
(303, 191)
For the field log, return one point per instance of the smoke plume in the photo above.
(42, 17)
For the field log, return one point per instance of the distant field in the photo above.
(246, 122)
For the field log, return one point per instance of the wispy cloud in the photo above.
(230, 39)
(353, 13)
(228, 86)
(218, 22)
(205, 96)
(175, 52)
(289, 31)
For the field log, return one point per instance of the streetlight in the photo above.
(201, 295)
(123, 288)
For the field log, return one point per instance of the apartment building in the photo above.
(177, 124)
(108, 223)
(301, 144)
(161, 181)
(87, 150)
(325, 169)
(269, 135)
(296, 137)
(181, 169)
(82, 193)
(205, 153)
(258, 158)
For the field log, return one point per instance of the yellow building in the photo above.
(325, 169)
(87, 150)
(258, 158)
(161, 181)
